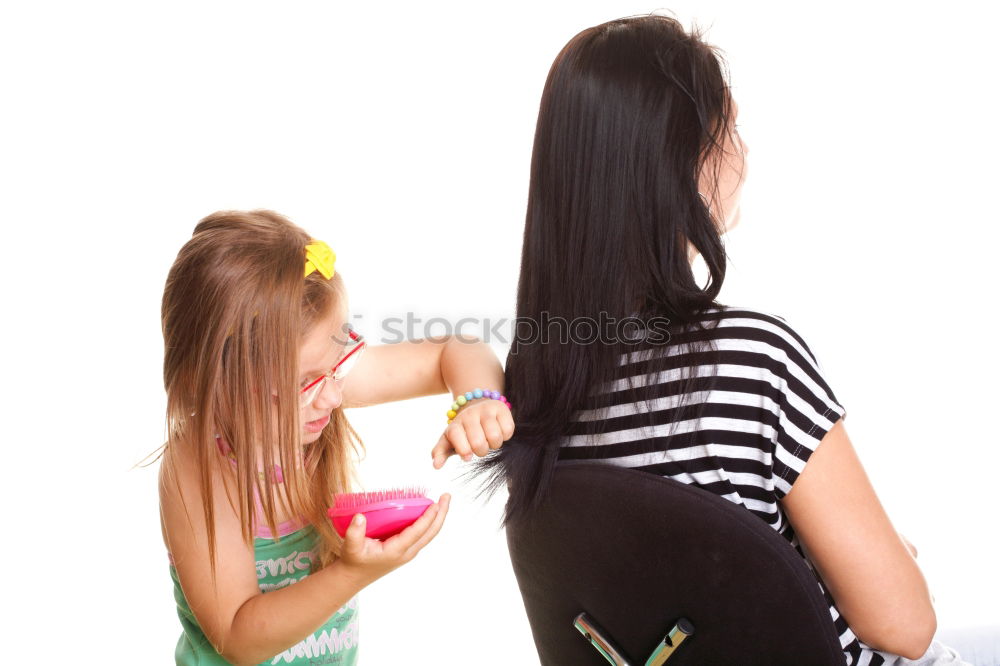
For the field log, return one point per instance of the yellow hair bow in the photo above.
(319, 257)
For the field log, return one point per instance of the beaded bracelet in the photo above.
(463, 400)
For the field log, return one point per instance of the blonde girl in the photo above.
(257, 355)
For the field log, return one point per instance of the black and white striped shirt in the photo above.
(766, 406)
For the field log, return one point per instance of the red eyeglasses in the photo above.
(352, 352)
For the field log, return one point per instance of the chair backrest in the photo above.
(636, 552)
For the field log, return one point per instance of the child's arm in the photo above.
(244, 625)
(416, 368)
(450, 364)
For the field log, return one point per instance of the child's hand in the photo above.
(478, 429)
(371, 559)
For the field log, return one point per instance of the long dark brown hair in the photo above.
(235, 308)
(632, 112)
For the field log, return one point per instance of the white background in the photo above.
(401, 134)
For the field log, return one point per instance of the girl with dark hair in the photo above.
(637, 169)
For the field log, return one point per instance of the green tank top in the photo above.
(278, 565)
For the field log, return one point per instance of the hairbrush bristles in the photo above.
(358, 500)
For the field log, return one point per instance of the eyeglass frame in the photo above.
(360, 344)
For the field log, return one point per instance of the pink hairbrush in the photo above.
(387, 512)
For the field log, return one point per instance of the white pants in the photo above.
(978, 646)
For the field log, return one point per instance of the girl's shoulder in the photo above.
(759, 331)
(187, 485)
(772, 350)
(182, 480)
(734, 316)
(181, 467)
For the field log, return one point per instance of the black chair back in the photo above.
(637, 552)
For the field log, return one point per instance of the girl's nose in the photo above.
(331, 395)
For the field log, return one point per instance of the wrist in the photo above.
(355, 576)
(462, 400)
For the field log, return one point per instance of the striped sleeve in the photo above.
(806, 408)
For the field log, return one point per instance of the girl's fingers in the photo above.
(441, 451)
(354, 537)
(477, 438)
(506, 424)
(491, 428)
(456, 435)
(466, 437)
(405, 539)
(434, 527)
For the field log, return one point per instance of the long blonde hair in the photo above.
(235, 308)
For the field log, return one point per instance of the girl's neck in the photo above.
(285, 522)
(225, 450)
